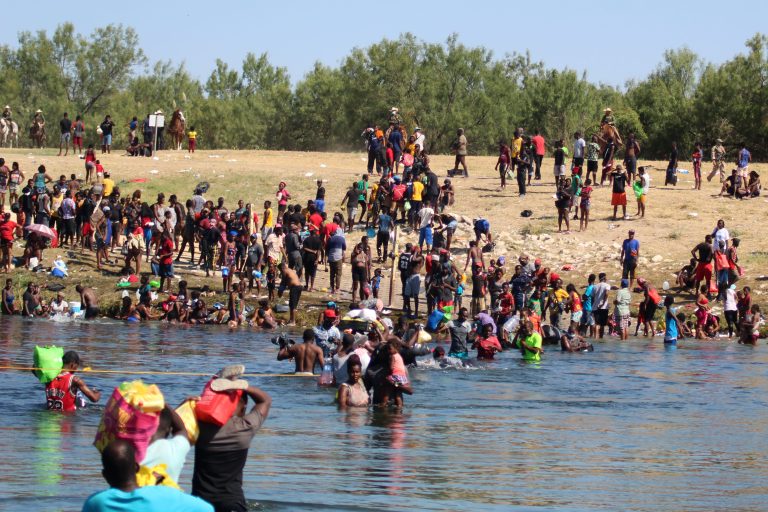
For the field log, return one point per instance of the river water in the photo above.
(632, 426)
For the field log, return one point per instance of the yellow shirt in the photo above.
(269, 220)
(418, 188)
(517, 145)
(192, 135)
(412, 147)
(109, 186)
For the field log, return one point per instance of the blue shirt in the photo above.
(385, 223)
(671, 331)
(631, 248)
(588, 293)
(744, 157)
(145, 499)
(335, 248)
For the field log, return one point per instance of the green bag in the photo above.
(49, 358)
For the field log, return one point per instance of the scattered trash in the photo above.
(214, 156)
(221, 176)
(693, 214)
(308, 174)
(187, 157)
(154, 171)
(526, 213)
(155, 158)
(323, 166)
(665, 285)
(683, 171)
(184, 170)
(231, 160)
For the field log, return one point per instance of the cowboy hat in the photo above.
(393, 109)
(607, 109)
(158, 111)
(38, 111)
(7, 106)
(719, 141)
(417, 129)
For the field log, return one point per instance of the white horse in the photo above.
(9, 132)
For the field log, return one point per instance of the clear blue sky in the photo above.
(297, 33)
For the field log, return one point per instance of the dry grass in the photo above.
(669, 229)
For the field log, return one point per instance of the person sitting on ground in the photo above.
(572, 342)
(753, 185)
(686, 277)
(306, 354)
(352, 392)
(120, 467)
(65, 392)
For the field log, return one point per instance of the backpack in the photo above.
(398, 192)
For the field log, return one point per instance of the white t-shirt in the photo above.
(59, 308)
(721, 235)
(578, 148)
(425, 215)
(730, 300)
(171, 452)
(646, 182)
(421, 140)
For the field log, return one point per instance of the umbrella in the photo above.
(41, 230)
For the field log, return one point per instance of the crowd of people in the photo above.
(479, 304)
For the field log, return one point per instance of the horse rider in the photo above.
(394, 116)
(39, 119)
(7, 115)
(609, 122)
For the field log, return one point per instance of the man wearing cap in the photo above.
(221, 451)
(630, 253)
(718, 161)
(622, 302)
(327, 335)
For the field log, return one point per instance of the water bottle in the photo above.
(326, 376)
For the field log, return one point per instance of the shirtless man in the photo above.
(291, 282)
(474, 256)
(306, 354)
(89, 301)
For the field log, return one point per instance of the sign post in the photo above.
(155, 121)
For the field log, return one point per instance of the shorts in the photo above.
(631, 164)
(587, 318)
(622, 321)
(352, 212)
(601, 317)
(619, 199)
(359, 274)
(650, 311)
(576, 316)
(106, 140)
(703, 271)
(412, 286)
(65, 137)
(293, 297)
(559, 170)
(641, 199)
(584, 205)
(166, 270)
(91, 312)
(425, 236)
(578, 161)
(77, 140)
(68, 227)
(591, 166)
(14, 188)
(628, 269)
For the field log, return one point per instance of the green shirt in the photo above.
(362, 188)
(575, 185)
(532, 340)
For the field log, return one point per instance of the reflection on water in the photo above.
(632, 426)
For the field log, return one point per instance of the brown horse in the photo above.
(177, 128)
(37, 133)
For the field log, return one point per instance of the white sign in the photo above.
(156, 120)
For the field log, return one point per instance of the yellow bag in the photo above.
(186, 412)
(143, 397)
(156, 475)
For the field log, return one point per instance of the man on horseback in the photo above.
(37, 130)
(608, 127)
(7, 116)
(177, 128)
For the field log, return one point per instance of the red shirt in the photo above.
(316, 220)
(59, 395)
(167, 248)
(7, 229)
(487, 347)
(538, 141)
(330, 229)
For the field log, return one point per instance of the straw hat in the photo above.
(7, 106)
(38, 111)
(719, 141)
(158, 111)
(393, 109)
(607, 109)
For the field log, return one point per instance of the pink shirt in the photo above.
(538, 141)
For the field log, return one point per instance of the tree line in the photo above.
(437, 86)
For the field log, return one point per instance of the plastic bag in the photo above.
(49, 359)
(121, 420)
(148, 398)
(186, 412)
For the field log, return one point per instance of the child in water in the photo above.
(398, 375)
(67, 392)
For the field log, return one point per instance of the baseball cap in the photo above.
(329, 313)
